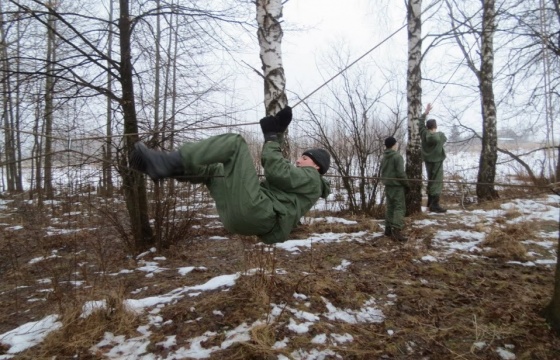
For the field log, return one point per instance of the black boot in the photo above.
(396, 235)
(435, 205)
(430, 199)
(157, 164)
(388, 231)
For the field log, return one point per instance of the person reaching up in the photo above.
(433, 154)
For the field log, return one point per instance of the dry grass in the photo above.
(78, 334)
(457, 308)
(505, 240)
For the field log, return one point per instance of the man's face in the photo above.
(305, 160)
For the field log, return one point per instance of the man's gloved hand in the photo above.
(284, 117)
(273, 126)
(270, 128)
(269, 124)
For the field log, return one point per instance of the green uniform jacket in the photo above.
(293, 191)
(392, 169)
(246, 206)
(432, 143)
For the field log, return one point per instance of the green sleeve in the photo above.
(401, 174)
(281, 173)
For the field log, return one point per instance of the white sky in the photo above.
(311, 29)
(358, 26)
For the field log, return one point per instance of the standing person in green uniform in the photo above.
(269, 209)
(433, 154)
(395, 181)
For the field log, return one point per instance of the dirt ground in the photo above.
(462, 308)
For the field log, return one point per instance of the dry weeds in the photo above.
(458, 308)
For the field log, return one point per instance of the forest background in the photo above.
(82, 81)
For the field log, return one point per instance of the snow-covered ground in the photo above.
(445, 243)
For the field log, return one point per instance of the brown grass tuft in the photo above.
(78, 334)
(505, 241)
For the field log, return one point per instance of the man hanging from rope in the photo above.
(433, 154)
(269, 209)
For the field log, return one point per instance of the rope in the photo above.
(548, 186)
(551, 186)
(351, 64)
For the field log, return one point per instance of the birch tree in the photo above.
(489, 154)
(483, 34)
(269, 13)
(414, 99)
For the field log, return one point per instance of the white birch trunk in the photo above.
(269, 13)
(414, 99)
(489, 154)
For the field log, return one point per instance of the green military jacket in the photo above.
(293, 191)
(392, 169)
(432, 143)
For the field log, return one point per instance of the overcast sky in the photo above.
(312, 28)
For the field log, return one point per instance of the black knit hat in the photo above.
(390, 141)
(321, 158)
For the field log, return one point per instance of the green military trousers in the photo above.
(225, 165)
(396, 207)
(434, 171)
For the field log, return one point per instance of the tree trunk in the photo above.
(17, 121)
(7, 110)
(558, 166)
(133, 181)
(37, 153)
(157, 68)
(108, 153)
(552, 311)
(414, 99)
(173, 68)
(489, 153)
(269, 13)
(49, 105)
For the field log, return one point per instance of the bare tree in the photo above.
(350, 123)
(489, 154)
(269, 13)
(484, 34)
(535, 25)
(535, 57)
(10, 112)
(85, 69)
(414, 99)
(134, 184)
(107, 177)
(49, 99)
